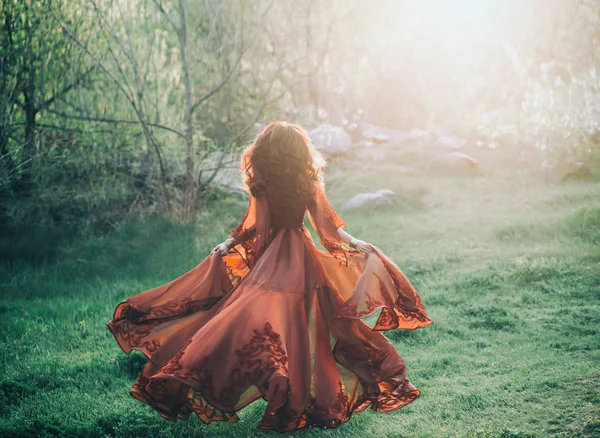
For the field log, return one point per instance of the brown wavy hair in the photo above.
(283, 158)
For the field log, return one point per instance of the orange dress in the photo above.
(275, 318)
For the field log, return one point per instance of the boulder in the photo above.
(362, 144)
(380, 134)
(529, 158)
(380, 138)
(372, 154)
(449, 142)
(229, 176)
(417, 134)
(504, 115)
(562, 170)
(545, 166)
(330, 140)
(454, 161)
(371, 199)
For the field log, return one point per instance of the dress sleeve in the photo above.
(252, 233)
(326, 222)
(246, 229)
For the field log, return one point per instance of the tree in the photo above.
(39, 67)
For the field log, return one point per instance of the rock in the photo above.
(372, 154)
(449, 142)
(330, 140)
(529, 158)
(352, 129)
(230, 177)
(364, 144)
(562, 171)
(578, 170)
(380, 133)
(455, 161)
(507, 114)
(545, 166)
(380, 138)
(417, 134)
(371, 199)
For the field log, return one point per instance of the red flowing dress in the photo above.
(275, 318)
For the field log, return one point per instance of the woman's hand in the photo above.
(364, 247)
(354, 243)
(223, 248)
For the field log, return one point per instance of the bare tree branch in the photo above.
(243, 131)
(220, 85)
(213, 25)
(115, 121)
(66, 128)
(237, 61)
(143, 122)
(167, 15)
(66, 89)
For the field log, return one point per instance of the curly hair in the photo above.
(283, 158)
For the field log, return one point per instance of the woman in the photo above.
(267, 314)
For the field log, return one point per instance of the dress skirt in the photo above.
(285, 325)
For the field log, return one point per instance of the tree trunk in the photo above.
(311, 87)
(26, 180)
(189, 198)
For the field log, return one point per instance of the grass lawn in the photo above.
(507, 264)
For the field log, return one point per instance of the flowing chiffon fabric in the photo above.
(275, 318)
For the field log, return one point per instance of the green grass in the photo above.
(508, 266)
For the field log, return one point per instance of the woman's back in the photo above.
(285, 215)
(284, 165)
